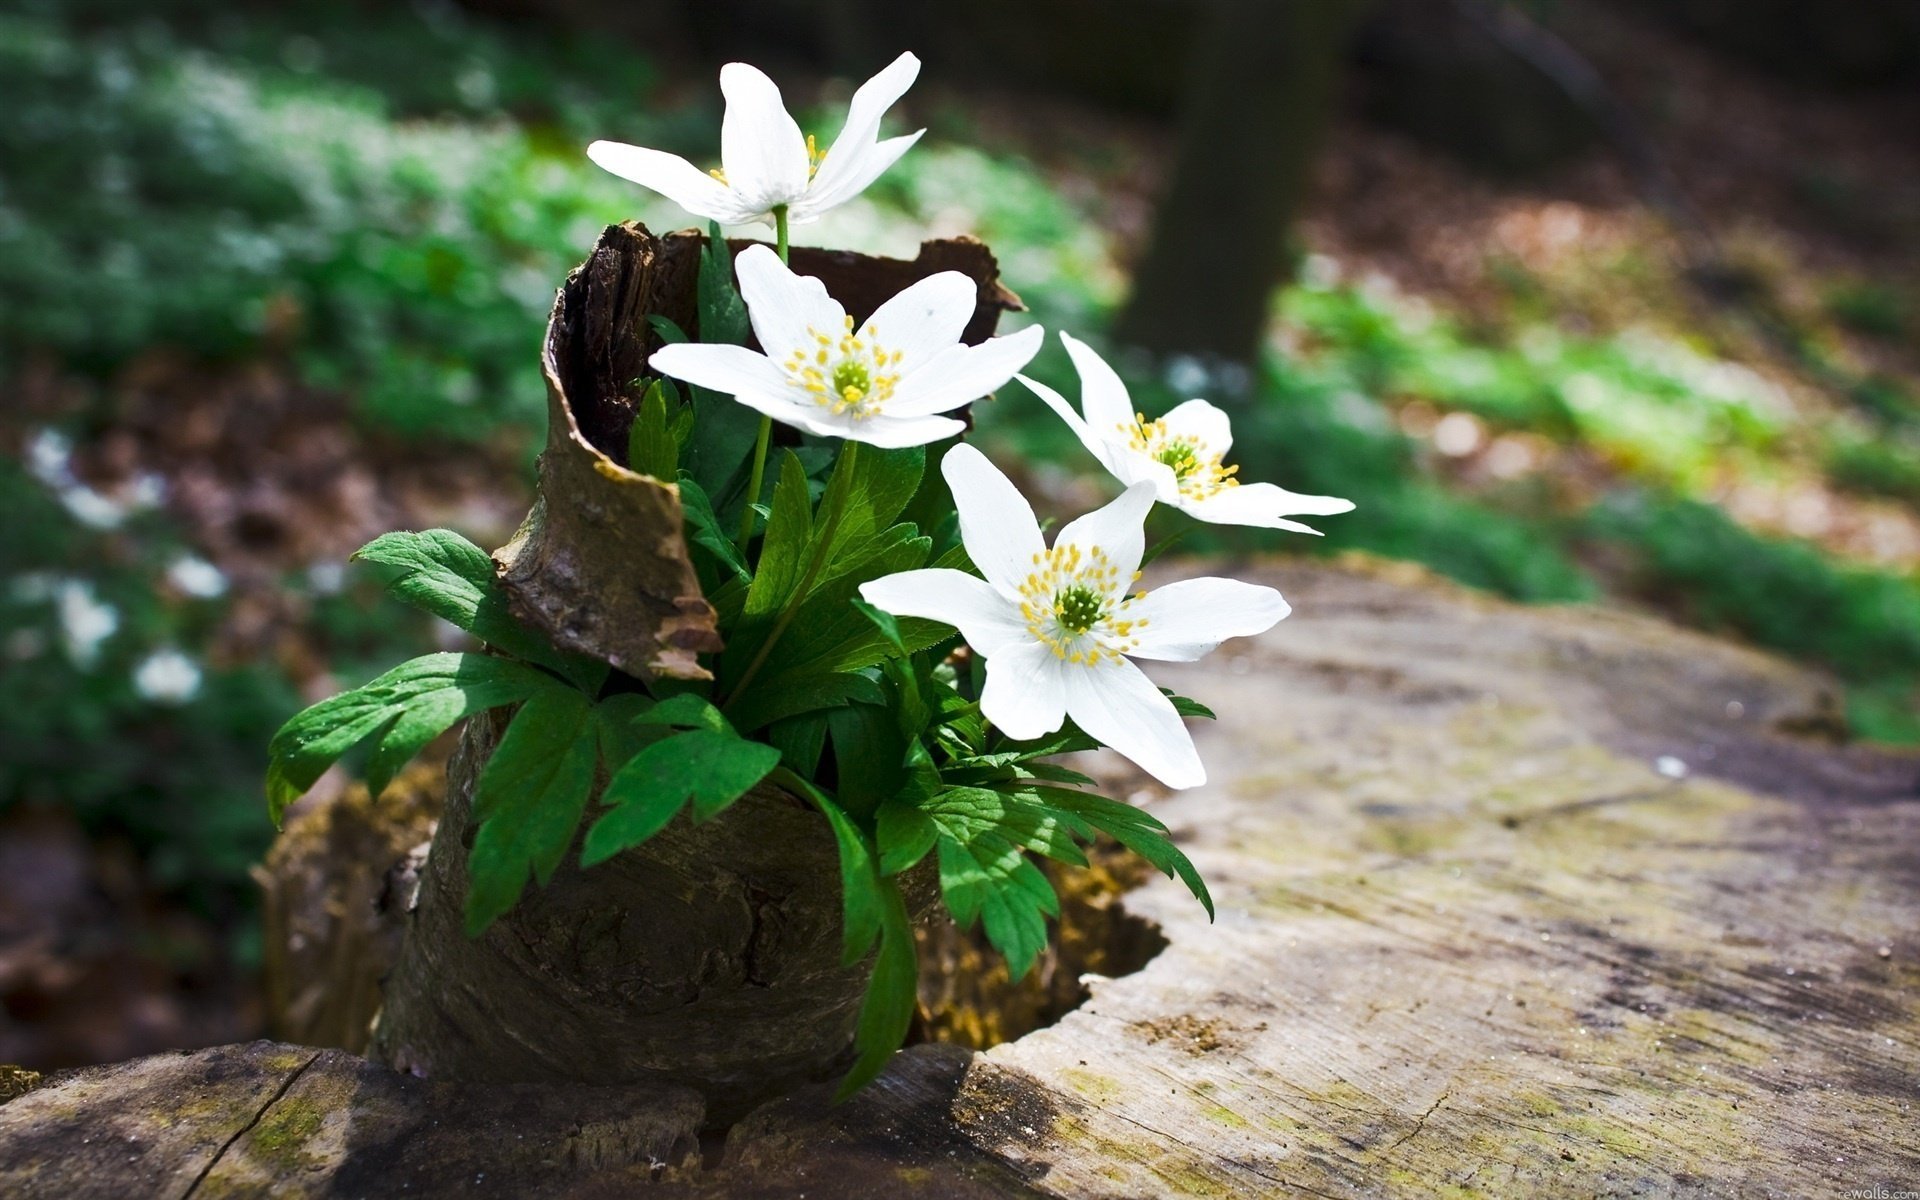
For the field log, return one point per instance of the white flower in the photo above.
(196, 577)
(765, 162)
(1180, 454)
(167, 677)
(883, 382)
(85, 620)
(1058, 625)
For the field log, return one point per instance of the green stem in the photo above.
(754, 481)
(759, 474)
(821, 544)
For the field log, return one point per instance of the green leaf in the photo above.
(707, 769)
(651, 447)
(763, 706)
(706, 529)
(800, 740)
(408, 706)
(1134, 829)
(784, 548)
(870, 755)
(666, 329)
(1186, 706)
(445, 574)
(859, 874)
(887, 1010)
(990, 880)
(723, 315)
(620, 737)
(871, 487)
(885, 622)
(829, 635)
(905, 834)
(529, 800)
(687, 711)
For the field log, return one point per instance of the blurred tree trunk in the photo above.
(1256, 112)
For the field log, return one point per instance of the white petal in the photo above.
(963, 601)
(1184, 621)
(788, 409)
(892, 433)
(761, 148)
(1111, 455)
(1263, 505)
(1200, 422)
(1119, 528)
(1023, 697)
(1118, 705)
(926, 317)
(963, 374)
(871, 163)
(784, 306)
(996, 522)
(845, 158)
(673, 177)
(729, 369)
(1103, 398)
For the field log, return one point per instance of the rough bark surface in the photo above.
(1472, 941)
(709, 956)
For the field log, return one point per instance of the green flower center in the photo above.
(1181, 456)
(1079, 607)
(852, 380)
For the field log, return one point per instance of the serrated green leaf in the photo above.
(870, 488)
(1138, 831)
(699, 767)
(723, 315)
(528, 802)
(885, 622)
(705, 528)
(443, 573)
(783, 557)
(990, 880)
(435, 684)
(651, 447)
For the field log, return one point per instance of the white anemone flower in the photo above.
(884, 381)
(765, 161)
(1059, 626)
(1180, 453)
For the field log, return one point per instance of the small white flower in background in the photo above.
(1058, 625)
(1180, 453)
(85, 620)
(167, 677)
(765, 161)
(884, 381)
(196, 577)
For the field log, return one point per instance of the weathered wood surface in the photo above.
(1472, 941)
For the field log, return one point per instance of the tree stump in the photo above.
(711, 955)
(1513, 901)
